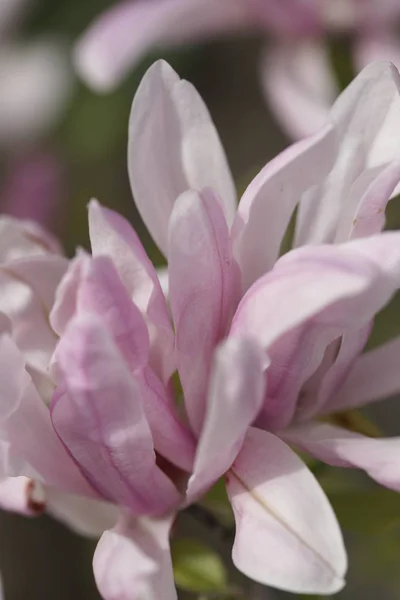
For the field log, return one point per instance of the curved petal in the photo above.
(268, 203)
(203, 290)
(83, 515)
(291, 18)
(287, 535)
(299, 85)
(312, 297)
(342, 448)
(98, 415)
(107, 50)
(113, 236)
(375, 375)
(365, 117)
(21, 239)
(133, 561)
(234, 399)
(169, 119)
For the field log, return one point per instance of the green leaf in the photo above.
(197, 568)
(367, 511)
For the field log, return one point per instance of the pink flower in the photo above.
(263, 345)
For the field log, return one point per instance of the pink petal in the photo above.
(25, 424)
(342, 448)
(133, 561)
(268, 203)
(98, 414)
(287, 535)
(299, 85)
(169, 119)
(290, 18)
(119, 38)
(203, 289)
(83, 515)
(375, 375)
(64, 305)
(22, 495)
(20, 239)
(235, 397)
(365, 141)
(112, 235)
(313, 296)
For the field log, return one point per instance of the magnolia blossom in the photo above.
(297, 78)
(263, 346)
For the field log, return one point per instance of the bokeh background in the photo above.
(60, 145)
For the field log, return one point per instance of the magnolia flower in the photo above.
(263, 345)
(296, 75)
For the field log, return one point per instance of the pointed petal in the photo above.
(83, 515)
(287, 535)
(267, 205)
(98, 415)
(299, 85)
(113, 236)
(313, 296)
(203, 288)
(343, 448)
(107, 50)
(234, 399)
(363, 142)
(375, 375)
(133, 561)
(169, 119)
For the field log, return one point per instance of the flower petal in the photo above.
(20, 239)
(299, 85)
(112, 235)
(342, 448)
(98, 415)
(313, 296)
(268, 203)
(361, 116)
(169, 119)
(234, 399)
(22, 495)
(375, 375)
(203, 290)
(287, 535)
(108, 49)
(133, 561)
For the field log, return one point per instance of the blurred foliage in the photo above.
(198, 568)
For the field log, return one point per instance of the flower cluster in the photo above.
(265, 347)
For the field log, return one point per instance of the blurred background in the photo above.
(62, 143)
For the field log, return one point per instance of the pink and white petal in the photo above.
(364, 213)
(343, 448)
(375, 375)
(295, 17)
(108, 50)
(312, 297)
(234, 399)
(25, 424)
(172, 439)
(21, 239)
(85, 516)
(204, 287)
(268, 203)
(22, 495)
(98, 415)
(102, 293)
(64, 306)
(133, 561)
(113, 236)
(377, 44)
(287, 535)
(299, 85)
(162, 274)
(169, 118)
(365, 143)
